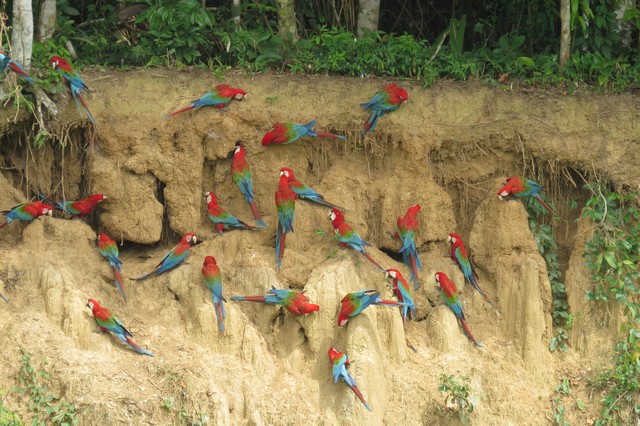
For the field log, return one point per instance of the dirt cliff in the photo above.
(448, 149)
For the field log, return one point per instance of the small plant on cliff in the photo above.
(548, 248)
(458, 396)
(7, 416)
(46, 408)
(562, 389)
(613, 255)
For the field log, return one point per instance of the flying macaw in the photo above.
(286, 133)
(7, 62)
(450, 295)
(286, 206)
(347, 236)
(219, 97)
(242, 177)
(175, 256)
(339, 362)
(109, 250)
(407, 227)
(80, 208)
(305, 192)
(388, 99)
(26, 212)
(401, 290)
(460, 256)
(76, 84)
(109, 322)
(212, 279)
(357, 301)
(292, 301)
(222, 218)
(520, 187)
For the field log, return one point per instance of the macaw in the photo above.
(223, 219)
(460, 256)
(339, 362)
(26, 212)
(347, 236)
(7, 62)
(388, 99)
(109, 250)
(401, 290)
(450, 295)
(212, 279)
(76, 84)
(242, 177)
(357, 301)
(80, 208)
(520, 187)
(219, 97)
(109, 322)
(292, 301)
(175, 256)
(305, 192)
(286, 133)
(407, 227)
(286, 206)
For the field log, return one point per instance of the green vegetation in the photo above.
(46, 408)
(562, 389)
(613, 255)
(7, 416)
(458, 396)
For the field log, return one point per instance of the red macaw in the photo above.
(109, 322)
(109, 250)
(26, 212)
(292, 301)
(339, 362)
(388, 99)
(460, 256)
(450, 295)
(355, 302)
(175, 256)
(7, 62)
(401, 290)
(219, 97)
(519, 187)
(241, 174)
(76, 84)
(286, 133)
(286, 205)
(305, 192)
(407, 226)
(347, 236)
(223, 219)
(80, 208)
(213, 279)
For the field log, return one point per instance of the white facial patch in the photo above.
(332, 216)
(282, 173)
(504, 193)
(238, 149)
(286, 173)
(393, 274)
(343, 322)
(90, 305)
(239, 96)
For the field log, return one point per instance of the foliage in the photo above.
(562, 389)
(548, 248)
(7, 416)
(46, 408)
(612, 254)
(458, 396)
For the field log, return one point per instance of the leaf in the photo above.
(610, 257)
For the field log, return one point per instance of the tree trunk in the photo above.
(624, 27)
(565, 34)
(287, 18)
(368, 15)
(46, 20)
(22, 33)
(235, 11)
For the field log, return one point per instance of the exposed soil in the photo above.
(449, 149)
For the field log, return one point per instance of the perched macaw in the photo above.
(407, 227)
(347, 236)
(109, 250)
(292, 301)
(7, 62)
(401, 290)
(286, 206)
(222, 218)
(212, 279)
(219, 97)
(305, 192)
(357, 301)
(450, 295)
(175, 256)
(388, 99)
(80, 208)
(26, 212)
(76, 84)
(242, 177)
(339, 362)
(109, 322)
(520, 187)
(460, 256)
(286, 133)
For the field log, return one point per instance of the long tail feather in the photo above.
(3, 224)
(258, 299)
(464, 325)
(359, 395)
(544, 204)
(326, 203)
(372, 260)
(474, 282)
(117, 275)
(413, 266)
(144, 277)
(330, 135)
(137, 348)
(281, 236)
(83, 106)
(372, 121)
(18, 70)
(386, 302)
(220, 312)
(180, 111)
(4, 298)
(256, 214)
